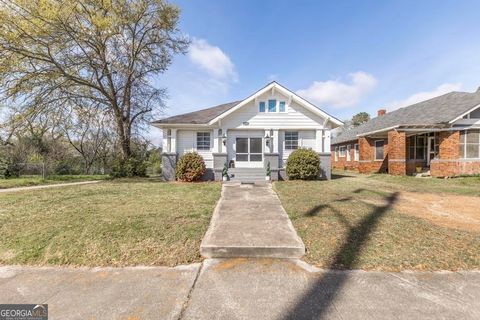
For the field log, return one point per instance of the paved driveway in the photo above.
(243, 289)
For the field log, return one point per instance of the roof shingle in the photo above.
(435, 111)
(198, 117)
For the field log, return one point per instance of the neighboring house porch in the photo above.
(440, 136)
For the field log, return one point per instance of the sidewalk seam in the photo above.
(190, 292)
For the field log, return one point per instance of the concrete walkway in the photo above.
(242, 289)
(45, 186)
(249, 221)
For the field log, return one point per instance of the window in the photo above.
(342, 151)
(203, 140)
(291, 140)
(336, 153)
(349, 148)
(272, 105)
(470, 144)
(282, 106)
(379, 149)
(261, 106)
(356, 154)
(417, 147)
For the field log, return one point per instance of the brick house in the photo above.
(440, 136)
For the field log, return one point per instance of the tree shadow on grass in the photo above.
(317, 300)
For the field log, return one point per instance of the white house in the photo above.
(248, 134)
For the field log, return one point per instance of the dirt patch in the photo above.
(452, 211)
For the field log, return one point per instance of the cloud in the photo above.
(424, 95)
(338, 94)
(212, 60)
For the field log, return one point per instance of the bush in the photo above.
(190, 167)
(63, 168)
(303, 164)
(9, 169)
(130, 168)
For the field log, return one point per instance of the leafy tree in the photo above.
(99, 53)
(360, 118)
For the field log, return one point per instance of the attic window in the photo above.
(272, 105)
(261, 106)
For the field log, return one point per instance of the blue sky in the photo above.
(345, 56)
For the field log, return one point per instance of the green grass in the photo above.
(26, 181)
(113, 223)
(350, 223)
(469, 186)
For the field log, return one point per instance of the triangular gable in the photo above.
(277, 87)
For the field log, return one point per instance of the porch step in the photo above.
(246, 174)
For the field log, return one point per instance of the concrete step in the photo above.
(252, 252)
(246, 174)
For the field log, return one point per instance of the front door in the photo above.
(431, 150)
(248, 152)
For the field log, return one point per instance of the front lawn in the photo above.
(27, 181)
(357, 222)
(113, 223)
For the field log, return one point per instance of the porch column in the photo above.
(397, 153)
(276, 141)
(326, 142)
(216, 141)
(173, 141)
(319, 140)
(165, 141)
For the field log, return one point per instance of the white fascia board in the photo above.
(276, 86)
(464, 114)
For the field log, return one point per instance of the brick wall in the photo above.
(342, 162)
(367, 163)
(449, 162)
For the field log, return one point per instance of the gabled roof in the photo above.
(276, 86)
(211, 115)
(439, 111)
(203, 116)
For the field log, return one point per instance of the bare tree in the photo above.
(105, 52)
(86, 130)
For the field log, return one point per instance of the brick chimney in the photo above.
(381, 112)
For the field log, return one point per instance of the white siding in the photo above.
(295, 117)
(306, 139)
(187, 141)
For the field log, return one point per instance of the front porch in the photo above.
(398, 152)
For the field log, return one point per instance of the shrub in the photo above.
(63, 168)
(190, 167)
(303, 164)
(132, 167)
(9, 169)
